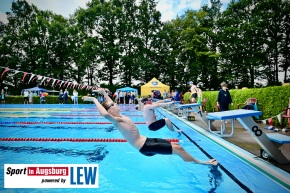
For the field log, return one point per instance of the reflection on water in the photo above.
(215, 178)
(96, 155)
(67, 127)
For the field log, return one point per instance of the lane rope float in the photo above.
(89, 115)
(72, 139)
(50, 122)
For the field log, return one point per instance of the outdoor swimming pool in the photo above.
(121, 167)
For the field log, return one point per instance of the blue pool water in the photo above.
(121, 167)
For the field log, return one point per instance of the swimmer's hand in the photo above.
(100, 90)
(179, 131)
(85, 98)
(210, 162)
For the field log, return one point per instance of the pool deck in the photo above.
(244, 140)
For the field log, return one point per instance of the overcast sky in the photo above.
(169, 8)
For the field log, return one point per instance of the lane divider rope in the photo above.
(36, 122)
(90, 115)
(73, 139)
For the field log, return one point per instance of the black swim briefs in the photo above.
(157, 125)
(194, 95)
(154, 146)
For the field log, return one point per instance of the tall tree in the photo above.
(149, 24)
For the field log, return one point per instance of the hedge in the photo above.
(271, 100)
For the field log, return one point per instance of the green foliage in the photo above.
(186, 97)
(124, 40)
(271, 100)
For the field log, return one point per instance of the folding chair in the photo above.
(286, 115)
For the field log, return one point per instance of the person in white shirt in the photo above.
(30, 97)
(26, 94)
(75, 94)
(121, 95)
(165, 95)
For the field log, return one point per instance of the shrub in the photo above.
(271, 100)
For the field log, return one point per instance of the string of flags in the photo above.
(279, 117)
(270, 120)
(44, 80)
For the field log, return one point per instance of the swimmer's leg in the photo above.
(169, 125)
(177, 149)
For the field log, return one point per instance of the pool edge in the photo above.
(278, 175)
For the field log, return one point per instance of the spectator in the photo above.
(75, 95)
(42, 98)
(60, 97)
(224, 98)
(176, 96)
(30, 97)
(172, 94)
(121, 95)
(26, 94)
(65, 96)
(115, 96)
(132, 99)
(165, 95)
(127, 97)
(181, 98)
(2, 96)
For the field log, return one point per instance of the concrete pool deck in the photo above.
(244, 140)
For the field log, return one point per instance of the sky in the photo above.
(169, 8)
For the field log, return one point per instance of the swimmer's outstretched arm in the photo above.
(155, 105)
(101, 109)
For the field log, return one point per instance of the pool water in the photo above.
(121, 167)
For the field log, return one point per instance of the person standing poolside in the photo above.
(164, 95)
(65, 96)
(193, 92)
(146, 146)
(149, 115)
(26, 94)
(30, 97)
(60, 97)
(2, 96)
(75, 94)
(224, 98)
(116, 95)
(121, 96)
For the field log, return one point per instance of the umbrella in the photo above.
(37, 89)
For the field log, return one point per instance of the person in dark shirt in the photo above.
(224, 98)
(176, 97)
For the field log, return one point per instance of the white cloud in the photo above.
(189, 4)
(62, 7)
(166, 10)
(3, 17)
(169, 9)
